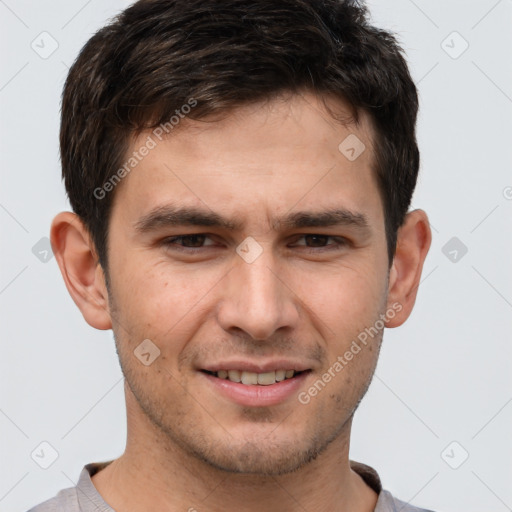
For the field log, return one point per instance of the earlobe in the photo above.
(413, 242)
(82, 274)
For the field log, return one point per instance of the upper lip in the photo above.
(257, 367)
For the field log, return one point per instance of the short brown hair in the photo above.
(156, 55)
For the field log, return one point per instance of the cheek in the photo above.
(343, 298)
(160, 302)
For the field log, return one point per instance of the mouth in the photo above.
(252, 378)
(254, 389)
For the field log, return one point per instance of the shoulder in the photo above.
(388, 503)
(70, 500)
(65, 501)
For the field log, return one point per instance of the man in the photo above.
(240, 175)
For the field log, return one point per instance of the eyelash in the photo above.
(171, 242)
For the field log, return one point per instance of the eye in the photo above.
(310, 242)
(317, 241)
(185, 242)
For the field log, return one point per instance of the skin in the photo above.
(303, 298)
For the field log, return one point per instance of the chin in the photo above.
(265, 454)
(260, 459)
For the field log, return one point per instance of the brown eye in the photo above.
(183, 242)
(193, 240)
(315, 241)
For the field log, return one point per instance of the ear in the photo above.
(413, 243)
(82, 273)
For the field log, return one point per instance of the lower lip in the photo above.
(257, 395)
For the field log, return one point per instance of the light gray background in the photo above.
(444, 376)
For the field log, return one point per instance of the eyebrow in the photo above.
(172, 216)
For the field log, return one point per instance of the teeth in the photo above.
(252, 378)
(280, 375)
(267, 378)
(249, 378)
(234, 375)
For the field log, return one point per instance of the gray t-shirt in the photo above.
(85, 498)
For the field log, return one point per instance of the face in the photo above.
(249, 247)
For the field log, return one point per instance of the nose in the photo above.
(257, 299)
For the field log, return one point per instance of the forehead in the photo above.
(271, 156)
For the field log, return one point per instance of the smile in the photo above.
(253, 378)
(256, 389)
